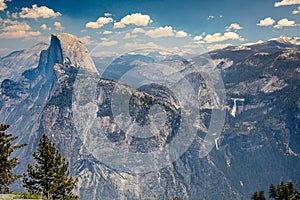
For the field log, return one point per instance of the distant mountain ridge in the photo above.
(13, 65)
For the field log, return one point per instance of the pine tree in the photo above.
(261, 195)
(273, 192)
(291, 188)
(283, 191)
(258, 196)
(255, 196)
(7, 164)
(50, 174)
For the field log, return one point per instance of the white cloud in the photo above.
(86, 40)
(105, 54)
(213, 17)
(12, 29)
(218, 37)
(268, 21)
(107, 14)
(37, 12)
(134, 45)
(3, 5)
(17, 27)
(181, 34)
(233, 26)
(45, 27)
(129, 36)
(119, 25)
(285, 22)
(287, 3)
(218, 46)
(9, 21)
(103, 38)
(4, 49)
(138, 30)
(108, 43)
(58, 26)
(137, 19)
(19, 34)
(198, 37)
(101, 21)
(166, 31)
(42, 38)
(296, 11)
(107, 32)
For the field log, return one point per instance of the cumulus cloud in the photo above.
(45, 27)
(19, 34)
(166, 31)
(218, 37)
(107, 32)
(3, 5)
(138, 30)
(101, 21)
(137, 19)
(287, 3)
(198, 37)
(285, 22)
(268, 21)
(135, 45)
(233, 26)
(296, 11)
(37, 12)
(17, 27)
(129, 36)
(58, 26)
(86, 40)
(159, 32)
(108, 43)
(181, 34)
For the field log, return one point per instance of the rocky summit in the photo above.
(61, 94)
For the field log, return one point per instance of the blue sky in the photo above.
(206, 23)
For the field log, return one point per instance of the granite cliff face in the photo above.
(259, 144)
(261, 140)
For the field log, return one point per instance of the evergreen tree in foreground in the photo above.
(258, 196)
(50, 174)
(281, 192)
(6, 163)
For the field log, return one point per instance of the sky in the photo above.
(173, 25)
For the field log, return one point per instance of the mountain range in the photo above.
(56, 89)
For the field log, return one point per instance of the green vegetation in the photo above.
(259, 196)
(50, 175)
(26, 195)
(7, 163)
(281, 192)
